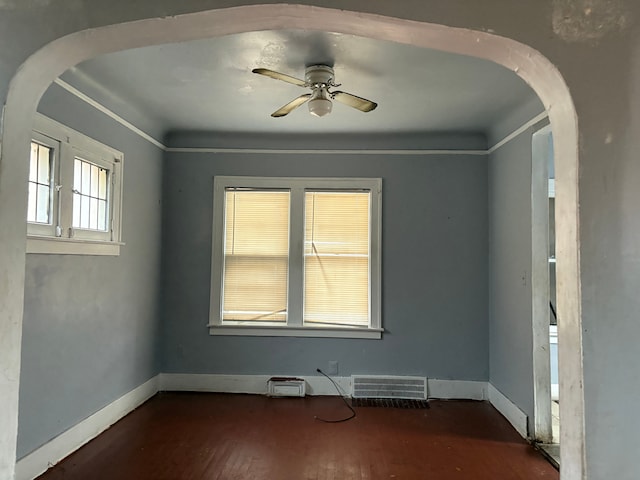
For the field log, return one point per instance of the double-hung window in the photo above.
(296, 257)
(75, 189)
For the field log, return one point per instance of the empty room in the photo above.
(288, 241)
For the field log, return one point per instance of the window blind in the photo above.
(336, 254)
(256, 255)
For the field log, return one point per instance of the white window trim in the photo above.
(297, 186)
(44, 229)
(68, 144)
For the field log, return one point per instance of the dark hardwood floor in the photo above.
(223, 436)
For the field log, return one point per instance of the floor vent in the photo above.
(389, 403)
(375, 386)
(286, 387)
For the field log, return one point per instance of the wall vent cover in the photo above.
(376, 386)
(286, 387)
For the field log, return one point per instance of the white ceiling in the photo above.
(208, 84)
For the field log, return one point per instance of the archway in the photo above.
(45, 65)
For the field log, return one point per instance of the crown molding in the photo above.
(125, 123)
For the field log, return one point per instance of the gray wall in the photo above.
(510, 328)
(91, 323)
(510, 315)
(434, 269)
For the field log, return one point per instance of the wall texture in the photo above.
(91, 323)
(510, 328)
(510, 294)
(434, 269)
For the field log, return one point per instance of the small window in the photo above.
(74, 193)
(90, 207)
(296, 257)
(40, 184)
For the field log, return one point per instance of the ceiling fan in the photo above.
(319, 78)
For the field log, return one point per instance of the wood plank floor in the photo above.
(223, 436)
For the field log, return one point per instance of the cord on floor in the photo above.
(353, 412)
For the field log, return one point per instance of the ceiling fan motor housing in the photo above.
(319, 75)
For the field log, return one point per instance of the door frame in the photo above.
(540, 284)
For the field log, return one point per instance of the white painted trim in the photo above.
(102, 108)
(69, 441)
(456, 389)
(284, 331)
(255, 384)
(316, 385)
(541, 429)
(516, 417)
(555, 392)
(62, 133)
(324, 152)
(70, 246)
(98, 106)
(541, 116)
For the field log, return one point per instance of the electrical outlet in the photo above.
(332, 368)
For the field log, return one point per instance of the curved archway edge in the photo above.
(45, 65)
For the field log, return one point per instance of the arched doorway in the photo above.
(44, 66)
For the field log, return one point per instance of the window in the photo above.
(336, 258)
(42, 162)
(90, 202)
(256, 250)
(75, 188)
(296, 257)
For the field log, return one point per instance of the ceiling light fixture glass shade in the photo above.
(320, 105)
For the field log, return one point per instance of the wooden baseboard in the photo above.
(38, 461)
(509, 410)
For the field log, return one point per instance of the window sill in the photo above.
(71, 246)
(276, 331)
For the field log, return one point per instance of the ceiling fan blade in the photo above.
(360, 103)
(292, 105)
(280, 76)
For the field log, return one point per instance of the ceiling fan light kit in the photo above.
(319, 104)
(319, 78)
